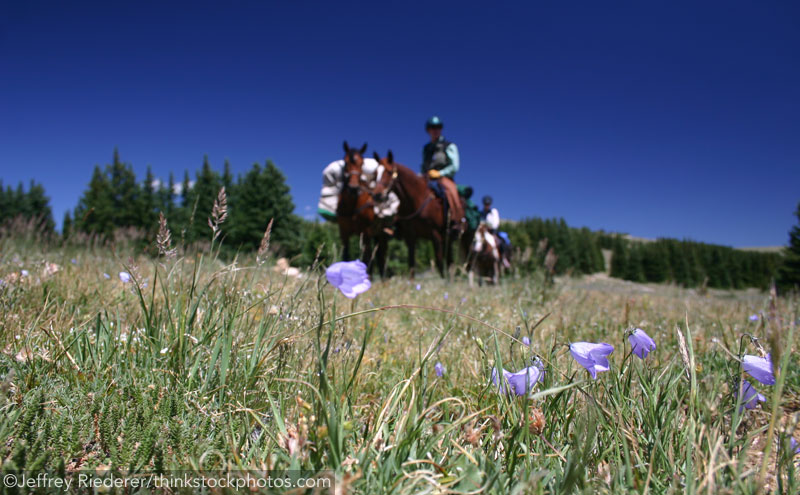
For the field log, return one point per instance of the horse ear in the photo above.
(363, 150)
(390, 156)
(377, 156)
(346, 147)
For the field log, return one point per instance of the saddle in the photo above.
(446, 189)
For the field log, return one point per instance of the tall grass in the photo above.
(203, 364)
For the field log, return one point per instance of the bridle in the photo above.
(362, 188)
(419, 210)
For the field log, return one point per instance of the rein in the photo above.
(399, 185)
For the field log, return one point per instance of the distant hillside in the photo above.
(683, 262)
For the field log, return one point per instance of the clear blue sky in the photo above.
(677, 119)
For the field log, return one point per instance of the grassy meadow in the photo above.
(204, 364)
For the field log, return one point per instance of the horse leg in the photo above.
(365, 243)
(344, 235)
(383, 245)
(411, 245)
(438, 250)
(471, 272)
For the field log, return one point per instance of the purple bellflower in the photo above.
(759, 368)
(350, 277)
(593, 357)
(641, 342)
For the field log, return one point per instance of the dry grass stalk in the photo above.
(263, 248)
(164, 238)
(219, 212)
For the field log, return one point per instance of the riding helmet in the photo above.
(435, 122)
(487, 200)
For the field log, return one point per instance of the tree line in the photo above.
(115, 199)
(31, 204)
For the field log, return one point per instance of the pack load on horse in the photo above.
(421, 214)
(333, 177)
(347, 191)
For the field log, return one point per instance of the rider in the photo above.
(440, 163)
(491, 217)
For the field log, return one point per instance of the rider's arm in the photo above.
(452, 153)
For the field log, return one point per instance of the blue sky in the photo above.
(674, 119)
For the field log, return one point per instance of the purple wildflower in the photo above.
(73, 261)
(593, 357)
(523, 381)
(446, 296)
(641, 342)
(520, 382)
(418, 287)
(106, 276)
(751, 397)
(753, 317)
(526, 341)
(759, 368)
(440, 369)
(350, 277)
(125, 277)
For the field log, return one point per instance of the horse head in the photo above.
(386, 180)
(353, 161)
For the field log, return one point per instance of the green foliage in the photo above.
(690, 264)
(578, 250)
(260, 196)
(789, 274)
(31, 206)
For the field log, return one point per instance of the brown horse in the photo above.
(421, 213)
(355, 212)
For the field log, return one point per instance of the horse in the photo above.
(421, 213)
(485, 257)
(355, 212)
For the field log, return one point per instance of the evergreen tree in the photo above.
(95, 210)
(619, 258)
(125, 193)
(38, 205)
(66, 226)
(202, 197)
(148, 204)
(261, 195)
(655, 262)
(789, 273)
(635, 268)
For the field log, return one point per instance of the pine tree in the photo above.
(66, 226)
(125, 193)
(789, 272)
(261, 195)
(148, 204)
(635, 269)
(38, 205)
(655, 262)
(95, 210)
(202, 197)
(619, 258)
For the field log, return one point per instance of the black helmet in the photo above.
(487, 200)
(434, 122)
